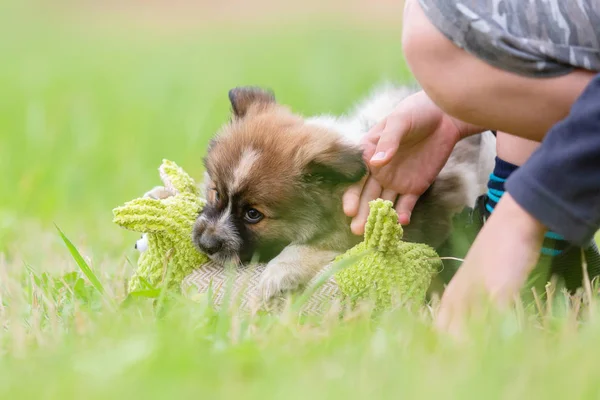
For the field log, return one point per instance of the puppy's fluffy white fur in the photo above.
(380, 103)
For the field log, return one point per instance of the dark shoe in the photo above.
(566, 266)
(465, 228)
(569, 264)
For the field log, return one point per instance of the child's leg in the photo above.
(471, 89)
(557, 256)
(513, 149)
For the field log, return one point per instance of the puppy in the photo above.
(274, 185)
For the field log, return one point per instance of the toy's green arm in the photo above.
(175, 178)
(143, 215)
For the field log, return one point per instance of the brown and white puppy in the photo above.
(275, 181)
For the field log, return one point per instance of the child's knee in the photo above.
(434, 61)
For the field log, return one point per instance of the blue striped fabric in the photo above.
(495, 192)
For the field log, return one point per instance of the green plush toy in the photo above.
(386, 265)
(165, 216)
(378, 268)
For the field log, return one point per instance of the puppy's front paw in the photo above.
(276, 281)
(159, 193)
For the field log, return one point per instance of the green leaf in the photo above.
(145, 284)
(70, 278)
(140, 294)
(83, 266)
(80, 291)
(149, 293)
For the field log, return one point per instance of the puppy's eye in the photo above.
(216, 195)
(253, 216)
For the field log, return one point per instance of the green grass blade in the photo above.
(83, 266)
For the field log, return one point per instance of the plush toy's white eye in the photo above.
(142, 244)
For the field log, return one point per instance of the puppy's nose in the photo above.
(210, 244)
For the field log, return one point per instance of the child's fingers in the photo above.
(375, 132)
(450, 319)
(370, 140)
(371, 191)
(389, 141)
(158, 193)
(368, 150)
(390, 195)
(351, 198)
(404, 207)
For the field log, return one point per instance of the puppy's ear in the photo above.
(337, 163)
(245, 99)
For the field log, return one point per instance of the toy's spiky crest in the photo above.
(148, 215)
(176, 179)
(382, 232)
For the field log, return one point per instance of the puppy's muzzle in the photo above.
(213, 240)
(209, 244)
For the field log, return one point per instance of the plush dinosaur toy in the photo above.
(384, 263)
(377, 268)
(165, 216)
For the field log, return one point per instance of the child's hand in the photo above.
(405, 152)
(495, 268)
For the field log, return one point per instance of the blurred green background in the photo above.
(94, 95)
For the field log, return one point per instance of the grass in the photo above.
(86, 117)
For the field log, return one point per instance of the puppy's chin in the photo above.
(232, 259)
(226, 259)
